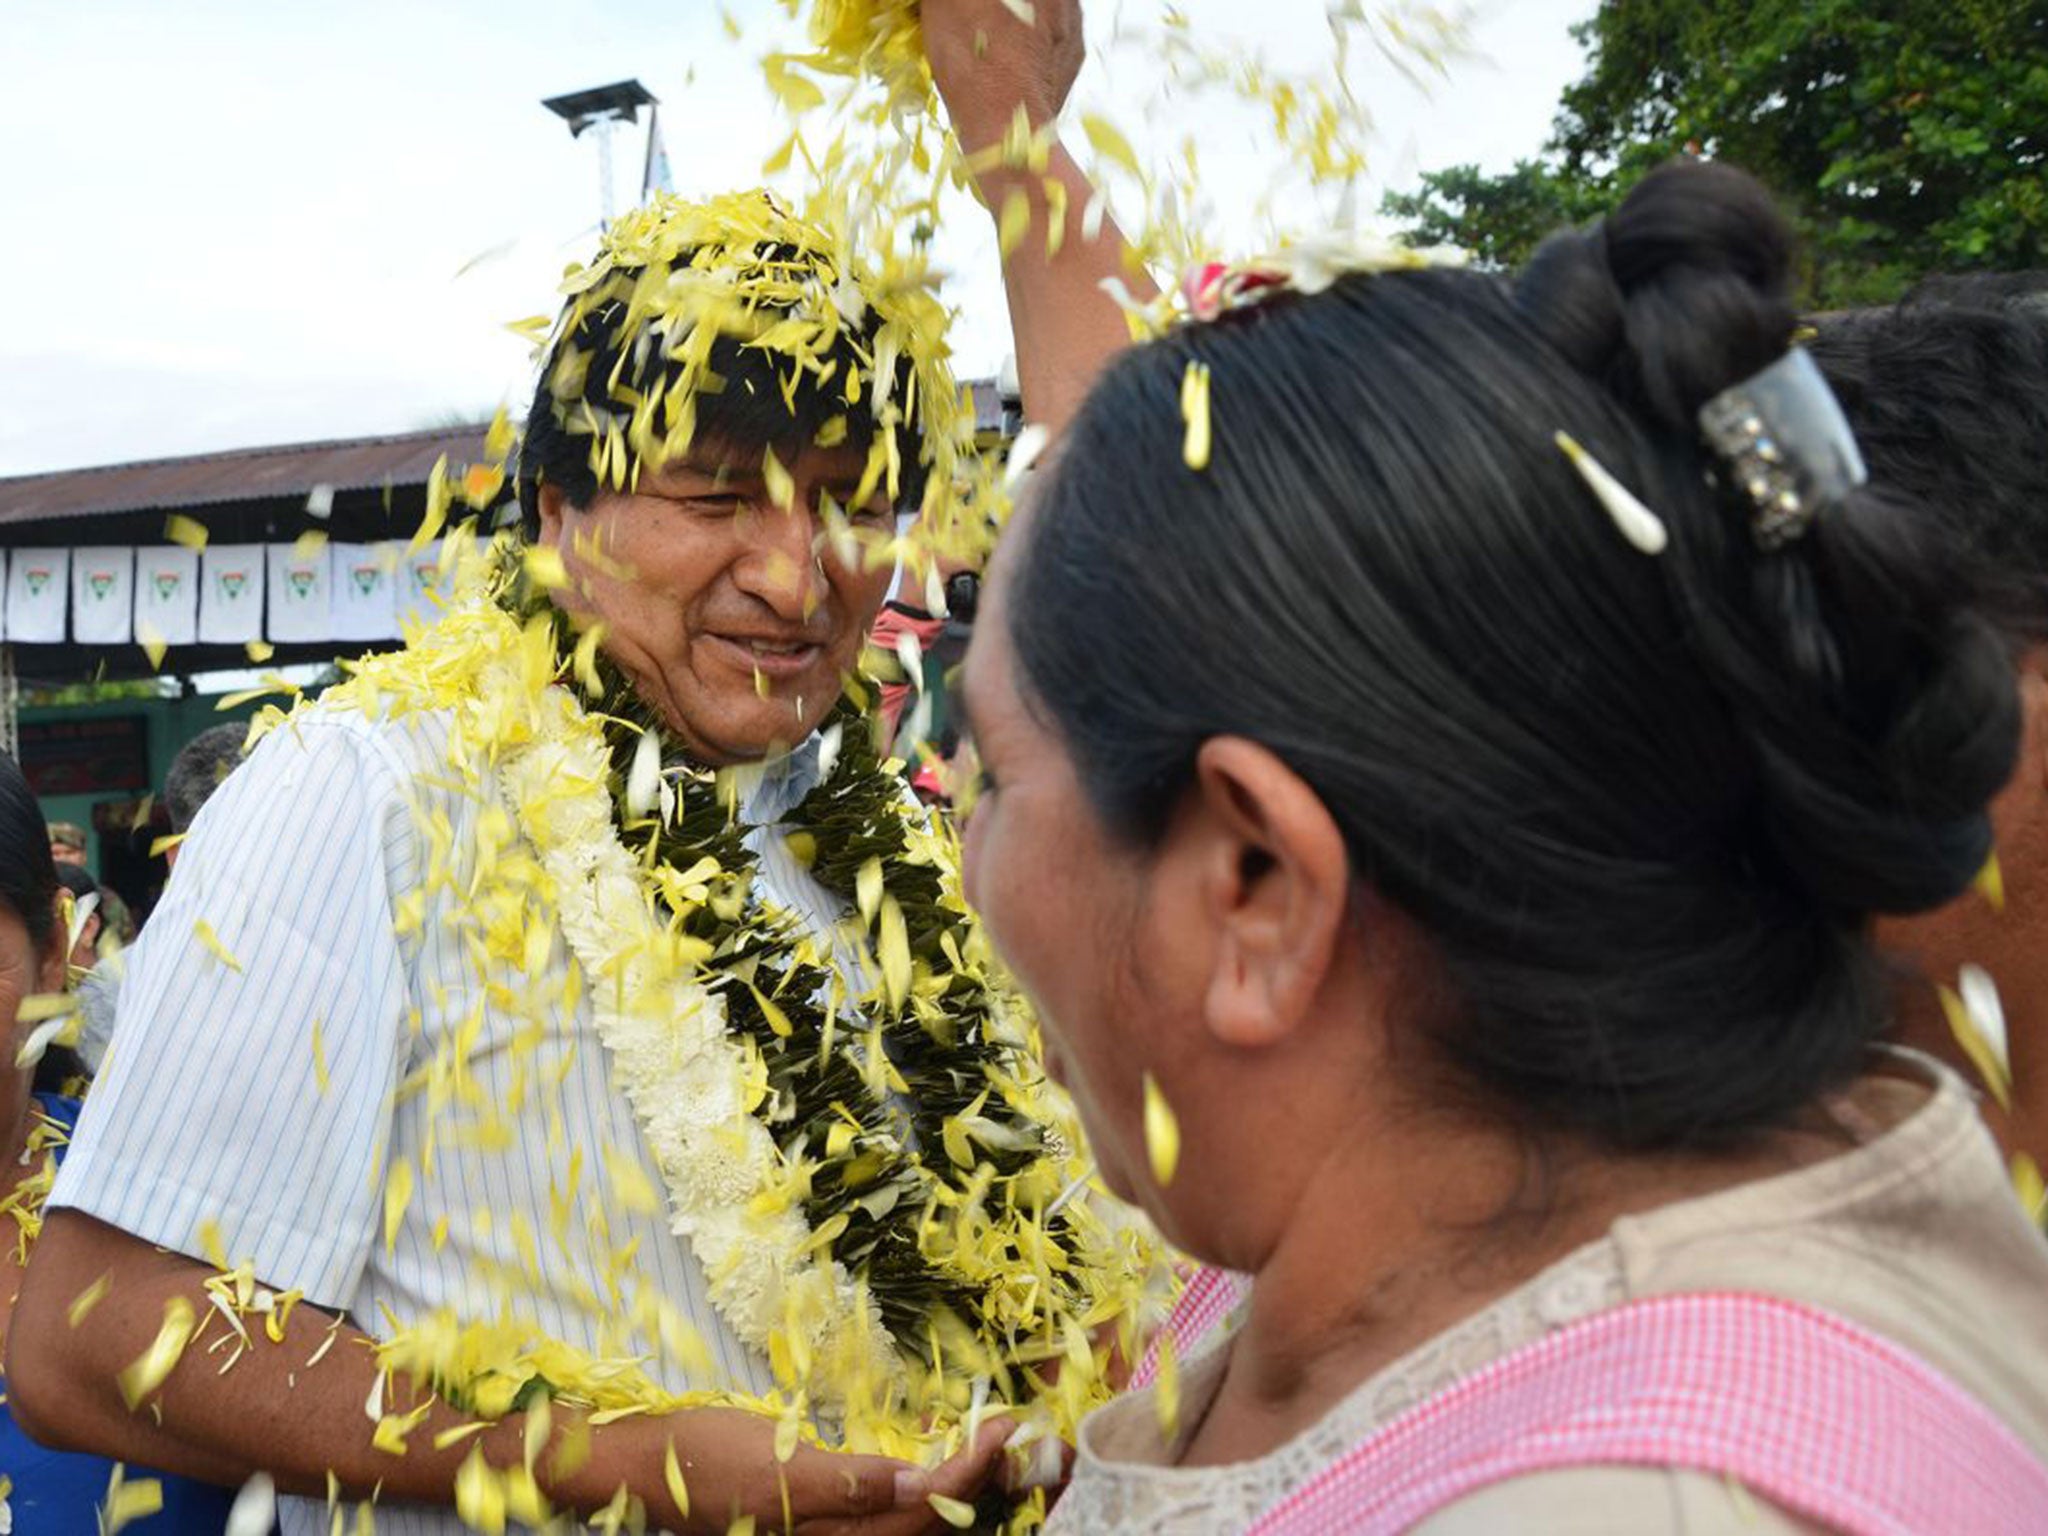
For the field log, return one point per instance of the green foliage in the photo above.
(1904, 139)
(101, 691)
(1499, 219)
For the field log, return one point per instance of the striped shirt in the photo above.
(281, 1051)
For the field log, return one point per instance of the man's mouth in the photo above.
(772, 658)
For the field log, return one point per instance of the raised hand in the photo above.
(988, 60)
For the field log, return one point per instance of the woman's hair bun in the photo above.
(1684, 290)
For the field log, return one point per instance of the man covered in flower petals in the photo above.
(581, 1038)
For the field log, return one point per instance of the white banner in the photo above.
(38, 586)
(231, 594)
(300, 589)
(420, 595)
(366, 585)
(103, 594)
(167, 594)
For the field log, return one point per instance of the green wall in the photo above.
(170, 724)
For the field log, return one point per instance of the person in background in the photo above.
(91, 928)
(68, 844)
(49, 1493)
(1948, 393)
(201, 767)
(1450, 903)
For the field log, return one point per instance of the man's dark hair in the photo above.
(1641, 808)
(758, 405)
(198, 769)
(1948, 392)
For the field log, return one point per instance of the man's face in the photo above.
(736, 618)
(64, 853)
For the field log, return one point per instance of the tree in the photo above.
(1904, 138)
(1499, 219)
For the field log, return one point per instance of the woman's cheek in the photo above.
(973, 839)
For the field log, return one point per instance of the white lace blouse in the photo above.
(1123, 1482)
(1914, 1234)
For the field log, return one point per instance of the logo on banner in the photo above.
(37, 579)
(233, 584)
(366, 578)
(300, 580)
(101, 583)
(167, 584)
(428, 574)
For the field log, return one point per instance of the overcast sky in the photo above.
(230, 223)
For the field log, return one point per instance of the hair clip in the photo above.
(1638, 524)
(1781, 432)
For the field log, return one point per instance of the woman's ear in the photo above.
(1276, 883)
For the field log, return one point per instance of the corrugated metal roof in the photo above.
(245, 474)
(289, 470)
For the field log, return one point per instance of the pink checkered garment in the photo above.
(1210, 1297)
(1823, 1418)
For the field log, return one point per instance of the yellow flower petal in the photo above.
(2028, 1184)
(128, 1501)
(202, 930)
(1162, 1133)
(149, 1369)
(672, 1479)
(187, 531)
(1194, 410)
(1990, 883)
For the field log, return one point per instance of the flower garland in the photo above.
(876, 1193)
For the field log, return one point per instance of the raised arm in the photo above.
(988, 63)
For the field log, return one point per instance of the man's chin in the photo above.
(757, 730)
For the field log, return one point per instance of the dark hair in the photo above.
(1641, 806)
(28, 874)
(1948, 392)
(601, 361)
(200, 767)
(28, 889)
(78, 880)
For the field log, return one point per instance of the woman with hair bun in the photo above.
(1442, 828)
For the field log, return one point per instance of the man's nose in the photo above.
(782, 566)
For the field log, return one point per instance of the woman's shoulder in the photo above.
(1614, 1501)
(1915, 1235)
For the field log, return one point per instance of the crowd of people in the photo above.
(1513, 809)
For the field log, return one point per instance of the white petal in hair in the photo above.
(1638, 524)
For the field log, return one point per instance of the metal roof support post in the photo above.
(603, 109)
(10, 705)
(604, 130)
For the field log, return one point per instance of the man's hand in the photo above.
(727, 1459)
(988, 62)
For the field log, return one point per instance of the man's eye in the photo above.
(724, 502)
